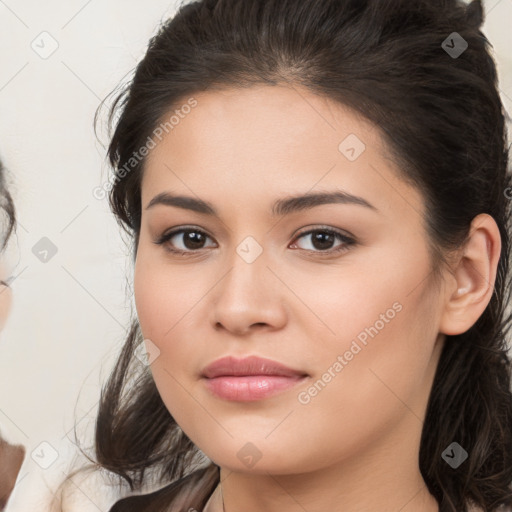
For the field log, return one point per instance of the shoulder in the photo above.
(195, 487)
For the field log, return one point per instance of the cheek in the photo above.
(362, 304)
(384, 298)
(167, 303)
(362, 391)
(162, 303)
(382, 327)
(378, 366)
(148, 296)
(164, 296)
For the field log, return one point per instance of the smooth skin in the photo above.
(354, 446)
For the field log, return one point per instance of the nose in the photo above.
(249, 297)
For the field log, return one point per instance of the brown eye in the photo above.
(191, 240)
(185, 241)
(322, 240)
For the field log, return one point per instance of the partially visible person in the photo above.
(272, 128)
(11, 456)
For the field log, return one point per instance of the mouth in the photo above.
(250, 388)
(250, 379)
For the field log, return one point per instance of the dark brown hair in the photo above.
(7, 206)
(8, 213)
(442, 119)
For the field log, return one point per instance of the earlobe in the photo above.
(475, 275)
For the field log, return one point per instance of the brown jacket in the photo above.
(11, 459)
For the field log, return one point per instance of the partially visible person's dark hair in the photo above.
(443, 121)
(11, 456)
(7, 206)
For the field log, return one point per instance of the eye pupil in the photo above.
(321, 237)
(194, 237)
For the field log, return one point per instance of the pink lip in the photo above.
(249, 379)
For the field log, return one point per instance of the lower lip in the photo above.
(250, 388)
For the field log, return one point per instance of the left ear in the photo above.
(474, 276)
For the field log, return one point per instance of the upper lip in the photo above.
(252, 365)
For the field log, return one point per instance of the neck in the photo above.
(275, 492)
(384, 478)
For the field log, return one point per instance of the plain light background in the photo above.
(70, 313)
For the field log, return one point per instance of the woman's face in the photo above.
(359, 318)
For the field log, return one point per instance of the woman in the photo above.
(11, 456)
(316, 195)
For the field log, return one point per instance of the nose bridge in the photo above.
(248, 264)
(246, 295)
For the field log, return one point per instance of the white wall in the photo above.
(69, 314)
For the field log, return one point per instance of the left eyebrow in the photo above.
(280, 208)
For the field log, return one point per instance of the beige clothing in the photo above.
(214, 503)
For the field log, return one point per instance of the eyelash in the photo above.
(347, 241)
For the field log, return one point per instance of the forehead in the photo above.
(269, 141)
